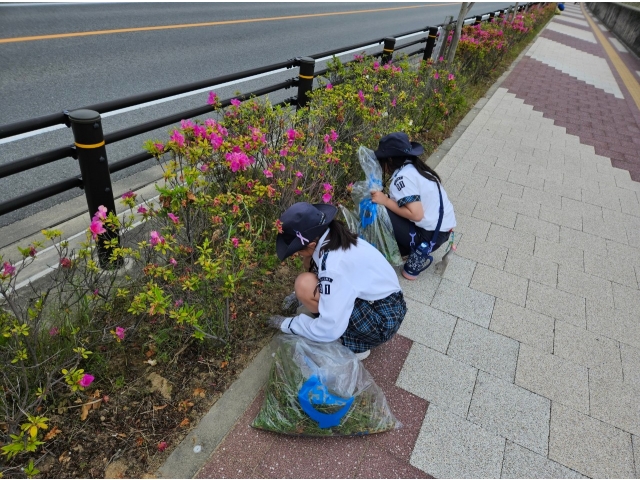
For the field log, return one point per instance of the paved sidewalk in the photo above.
(523, 360)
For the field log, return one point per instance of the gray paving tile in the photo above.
(584, 241)
(518, 205)
(601, 199)
(464, 302)
(423, 289)
(625, 298)
(463, 205)
(500, 283)
(583, 284)
(489, 170)
(513, 240)
(559, 253)
(582, 208)
(531, 267)
(428, 326)
(523, 325)
(526, 180)
(480, 194)
(630, 365)
(559, 216)
(511, 412)
(604, 229)
(564, 190)
(586, 348)
(460, 270)
(484, 349)
(614, 402)
(494, 214)
(482, 252)
(604, 319)
(472, 228)
(520, 462)
(636, 453)
(553, 377)
(437, 378)
(451, 447)
(512, 189)
(611, 269)
(589, 446)
(544, 199)
(557, 304)
(539, 228)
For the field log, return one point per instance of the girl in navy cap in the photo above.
(417, 204)
(351, 291)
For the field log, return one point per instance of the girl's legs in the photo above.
(307, 291)
(403, 229)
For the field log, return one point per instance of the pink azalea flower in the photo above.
(328, 149)
(96, 228)
(334, 135)
(436, 76)
(297, 191)
(268, 173)
(65, 262)
(216, 141)
(173, 261)
(186, 124)
(393, 102)
(291, 136)
(441, 59)
(142, 210)
(326, 198)
(8, 269)
(127, 195)
(249, 184)
(299, 174)
(177, 138)
(178, 303)
(282, 167)
(361, 96)
(327, 187)
(451, 76)
(213, 98)
(204, 167)
(174, 218)
(376, 65)
(159, 146)
(235, 102)
(375, 88)
(238, 160)
(86, 380)
(53, 331)
(200, 131)
(284, 152)
(329, 86)
(156, 238)
(235, 242)
(120, 333)
(101, 214)
(162, 446)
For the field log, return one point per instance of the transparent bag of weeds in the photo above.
(321, 389)
(369, 220)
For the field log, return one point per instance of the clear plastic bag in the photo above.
(369, 220)
(321, 389)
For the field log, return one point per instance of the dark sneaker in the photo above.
(418, 262)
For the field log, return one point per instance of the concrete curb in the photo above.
(184, 462)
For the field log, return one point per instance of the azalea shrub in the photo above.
(182, 263)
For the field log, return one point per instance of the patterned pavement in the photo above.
(523, 359)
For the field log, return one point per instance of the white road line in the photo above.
(616, 43)
(602, 27)
(188, 94)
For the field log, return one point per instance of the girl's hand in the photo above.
(379, 197)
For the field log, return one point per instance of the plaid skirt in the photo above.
(373, 323)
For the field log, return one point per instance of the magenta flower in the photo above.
(334, 135)
(328, 149)
(53, 331)
(96, 228)
(284, 152)
(213, 98)
(204, 167)
(65, 262)
(101, 214)
(238, 160)
(186, 124)
(156, 238)
(329, 86)
(216, 141)
(441, 59)
(297, 191)
(299, 174)
(326, 198)
(173, 261)
(142, 210)
(376, 65)
(177, 138)
(393, 102)
(375, 88)
(159, 146)
(235, 242)
(7, 269)
(235, 102)
(200, 131)
(436, 76)
(178, 303)
(268, 173)
(327, 187)
(86, 380)
(450, 77)
(174, 218)
(291, 136)
(361, 96)
(127, 195)
(162, 446)
(119, 333)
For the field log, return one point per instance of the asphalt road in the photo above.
(39, 76)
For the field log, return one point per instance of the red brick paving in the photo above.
(576, 43)
(251, 453)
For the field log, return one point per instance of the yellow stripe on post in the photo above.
(95, 145)
(387, 50)
(306, 77)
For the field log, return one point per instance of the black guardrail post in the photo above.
(478, 20)
(431, 41)
(305, 83)
(92, 157)
(387, 49)
(492, 16)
